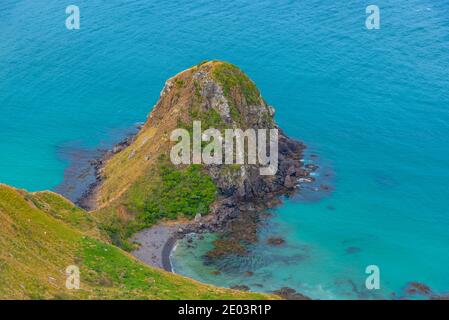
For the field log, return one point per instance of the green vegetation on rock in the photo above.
(165, 192)
(186, 192)
(232, 79)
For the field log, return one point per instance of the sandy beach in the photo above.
(156, 244)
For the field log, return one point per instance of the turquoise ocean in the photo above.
(372, 104)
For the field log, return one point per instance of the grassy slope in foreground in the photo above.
(43, 233)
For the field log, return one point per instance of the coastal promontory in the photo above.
(139, 185)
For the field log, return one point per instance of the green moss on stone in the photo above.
(232, 78)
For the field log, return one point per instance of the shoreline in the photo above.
(156, 244)
(87, 199)
(157, 254)
(171, 246)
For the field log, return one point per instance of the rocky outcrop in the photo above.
(221, 96)
(243, 187)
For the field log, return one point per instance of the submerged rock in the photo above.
(275, 241)
(225, 247)
(418, 288)
(352, 250)
(311, 167)
(290, 294)
(325, 187)
(307, 179)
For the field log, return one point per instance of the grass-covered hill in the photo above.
(42, 233)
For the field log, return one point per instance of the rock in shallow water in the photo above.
(290, 294)
(275, 241)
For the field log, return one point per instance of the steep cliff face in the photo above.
(221, 96)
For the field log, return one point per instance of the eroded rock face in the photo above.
(214, 97)
(244, 181)
(218, 88)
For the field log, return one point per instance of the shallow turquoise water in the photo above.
(372, 104)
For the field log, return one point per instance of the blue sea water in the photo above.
(372, 104)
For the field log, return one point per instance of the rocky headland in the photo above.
(137, 187)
